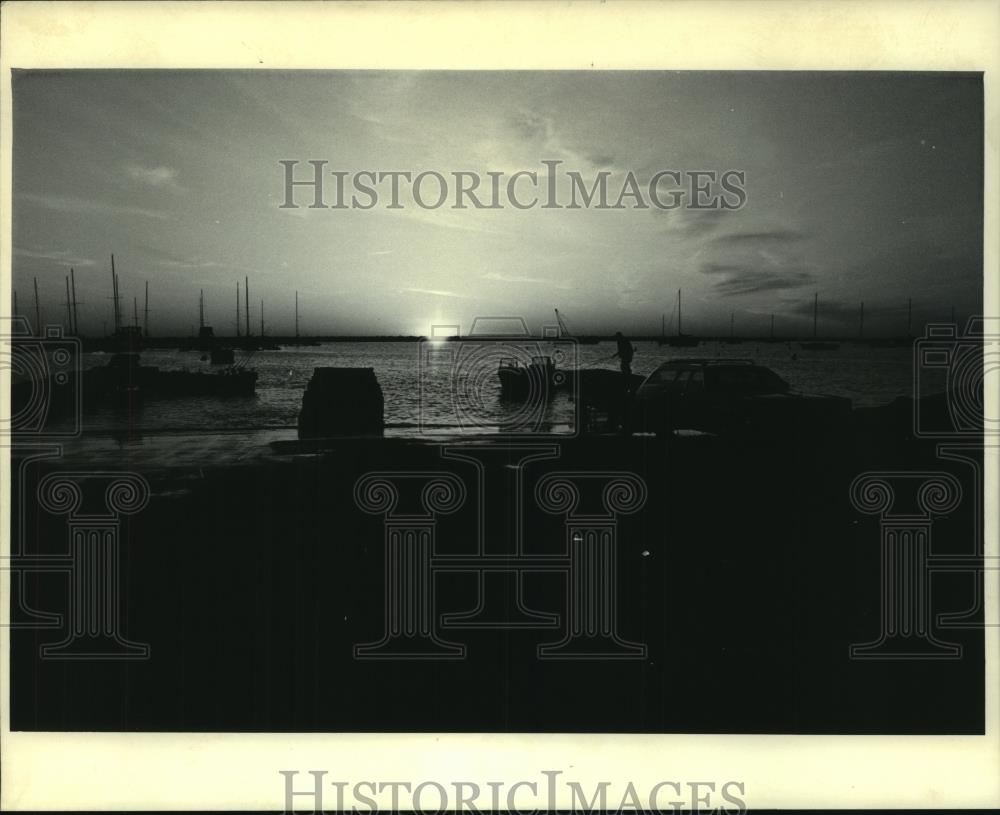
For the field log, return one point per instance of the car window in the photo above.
(695, 382)
(769, 382)
(742, 379)
(666, 376)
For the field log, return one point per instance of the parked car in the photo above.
(729, 396)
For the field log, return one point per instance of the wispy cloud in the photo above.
(191, 264)
(740, 279)
(538, 281)
(63, 258)
(436, 293)
(159, 176)
(72, 204)
(759, 237)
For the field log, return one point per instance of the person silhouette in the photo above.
(624, 353)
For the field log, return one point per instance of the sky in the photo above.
(859, 187)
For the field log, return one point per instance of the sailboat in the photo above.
(680, 339)
(298, 340)
(732, 339)
(564, 332)
(816, 344)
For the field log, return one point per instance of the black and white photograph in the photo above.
(593, 401)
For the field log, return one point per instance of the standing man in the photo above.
(624, 353)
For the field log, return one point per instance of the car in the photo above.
(729, 397)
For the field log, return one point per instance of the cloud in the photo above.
(762, 236)
(530, 125)
(160, 176)
(72, 204)
(739, 279)
(602, 161)
(694, 222)
(504, 278)
(435, 293)
(189, 264)
(62, 258)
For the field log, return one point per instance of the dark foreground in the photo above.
(747, 572)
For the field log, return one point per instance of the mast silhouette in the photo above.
(246, 301)
(145, 313)
(116, 296)
(76, 314)
(296, 315)
(815, 313)
(201, 309)
(69, 310)
(38, 312)
(262, 317)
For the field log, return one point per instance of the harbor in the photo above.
(705, 457)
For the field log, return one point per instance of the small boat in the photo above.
(124, 374)
(680, 339)
(816, 344)
(521, 382)
(732, 339)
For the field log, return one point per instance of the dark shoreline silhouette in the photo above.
(747, 575)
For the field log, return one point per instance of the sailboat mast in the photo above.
(76, 314)
(679, 331)
(38, 312)
(262, 317)
(815, 313)
(296, 315)
(69, 309)
(246, 301)
(145, 313)
(117, 302)
(201, 309)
